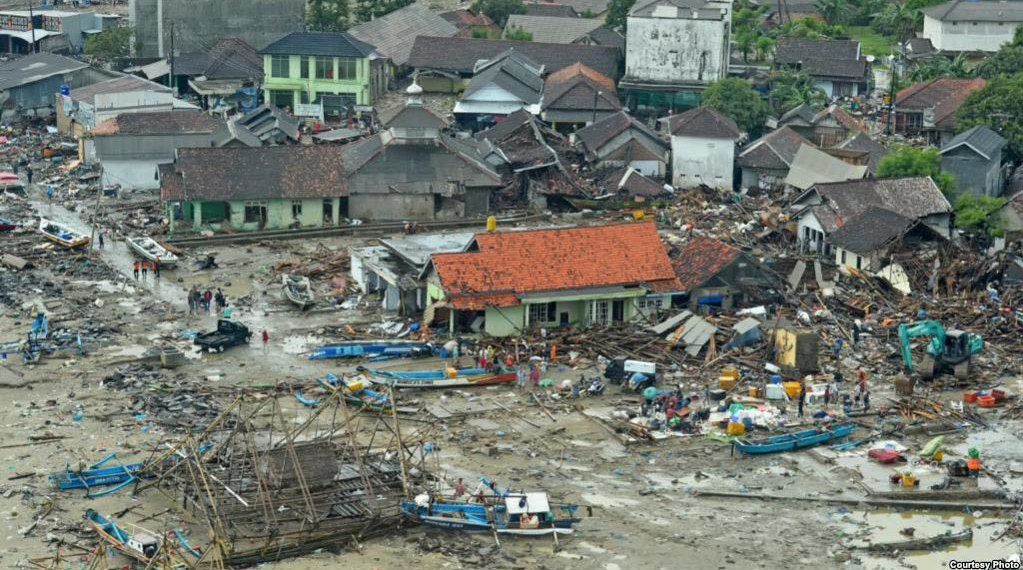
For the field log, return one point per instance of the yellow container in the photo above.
(908, 480)
(939, 455)
(792, 389)
(354, 385)
(754, 392)
(736, 428)
(727, 382)
(491, 223)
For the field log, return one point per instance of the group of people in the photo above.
(831, 392)
(200, 302)
(145, 265)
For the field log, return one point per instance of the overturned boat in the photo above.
(149, 249)
(62, 234)
(298, 290)
(446, 378)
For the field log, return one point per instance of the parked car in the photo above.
(228, 334)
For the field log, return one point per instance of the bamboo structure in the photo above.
(281, 489)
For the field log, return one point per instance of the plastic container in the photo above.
(775, 379)
(726, 382)
(753, 391)
(908, 480)
(986, 401)
(970, 397)
(736, 428)
(998, 394)
(792, 389)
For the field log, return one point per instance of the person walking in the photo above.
(156, 268)
(802, 398)
(28, 172)
(207, 297)
(100, 239)
(49, 193)
(866, 400)
(145, 269)
(227, 310)
(135, 268)
(266, 340)
(827, 395)
(836, 347)
(219, 299)
(520, 377)
(191, 302)
(534, 376)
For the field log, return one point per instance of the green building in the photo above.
(307, 68)
(241, 188)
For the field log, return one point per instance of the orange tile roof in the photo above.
(701, 259)
(510, 263)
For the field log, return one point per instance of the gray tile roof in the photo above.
(229, 58)
(703, 122)
(506, 127)
(160, 123)
(512, 72)
(794, 50)
(870, 230)
(413, 116)
(596, 135)
(579, 88)
(607, 37)
(838, 68)
(977, 11)
(319, 43)
(552, 30)
(981, 139)
(550, 9)
(914, 197)
(459, 55)
(583, 6)
(775, 150)
(629, 181)
(35, 67)
(393, 34)
(863, 142)
(126, 84)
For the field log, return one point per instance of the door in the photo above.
(618, 310)
(563, 319)
(328, 212)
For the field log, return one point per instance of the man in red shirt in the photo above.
(266, 340)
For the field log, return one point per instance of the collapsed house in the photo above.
(714, 275)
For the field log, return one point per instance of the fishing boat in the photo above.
(298, 290)
(96, 476)
(135, 542)
(149, 249)
(450, 378)
(520, 513)
(62, 235)
(791, 441)
(372, 348)
(7, 225)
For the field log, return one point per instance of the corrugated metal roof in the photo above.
(812, 166)
(35, 67)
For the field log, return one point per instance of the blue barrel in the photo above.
(775, 379)
(748, 424)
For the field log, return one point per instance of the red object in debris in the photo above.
(998, 394)
(885, 456)
(970, 397)
(986, 401)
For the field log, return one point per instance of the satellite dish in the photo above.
(870, 59)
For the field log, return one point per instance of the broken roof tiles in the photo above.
(701, 259)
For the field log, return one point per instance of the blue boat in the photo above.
(424, 374)
(136, 542)
(791, 441)
(530, 514)
(97, 476)
(373, 349)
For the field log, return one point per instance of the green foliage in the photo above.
(872, 42)
(941, 67)
(976, 214)
(790, 88)
(999, 105)
(499, 10)
(109, 44)
(588, 14)
(737, 99)
(811, 28)
(764, 46)
(912, 161)
(834, 11)
(518, 34)
(899, 20)
(481, 33)
(328, 15)
(1006, 61)
(618, 14)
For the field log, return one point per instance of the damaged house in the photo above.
(518, 280)
(836, 67)
(577, 96)
(929, 108)
(714, 275)
(866, 241)
(264, 126)
(824, 128)
(813, 166)
(622, 140)
(499, 87)
(826, 207)
(766, 161)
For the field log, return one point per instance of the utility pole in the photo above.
(891, 98)
(170, 79)
(32, 25)
(596, 94)
(95, 221)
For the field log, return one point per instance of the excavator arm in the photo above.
(929, 328)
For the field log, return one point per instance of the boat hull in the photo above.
(788, 442)
(474, 526)
(298, 290)
(62, 235)
(457, 381)
(138, 247)
(360, 349)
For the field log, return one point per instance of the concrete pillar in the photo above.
(451, 322)
(197, 215)
(170, 216)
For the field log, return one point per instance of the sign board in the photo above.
(314, 111)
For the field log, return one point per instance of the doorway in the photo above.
(328, 212)
(618, 310)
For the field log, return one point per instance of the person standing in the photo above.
(219, 299)
(459, 488)
(802, 398)
(534, 376)
(207, 298)
(827, 395)
(156, 268)
(191, 302)
(266, 340)
(135, 268)
(145, 269)
(100, 239)
(28, 172)
(836, 347)
(227, 310)
(520, 377)
(866, 400)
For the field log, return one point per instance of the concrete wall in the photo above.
(968, 36)
(507, 321)
(359, 87)
(133, 174)
(200, 23)
(763, 178)
(279, 214)
(854, 260)
(391, 206)
(442, 84)
(973, 173)
(663, 50)
(698, 161)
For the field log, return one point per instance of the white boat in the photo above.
(298, 290)
(149, 249)
(61, 234)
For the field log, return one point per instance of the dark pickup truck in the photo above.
(228, 334)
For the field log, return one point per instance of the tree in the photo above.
(977, 214)
(764, 46)
(810, 28)
(518, 34)
(109, 44)
(618, 14)
(736, 99)
(834, 11)
(912, 161)
(328, 15)
(941, 67)
(366, 10)
(790, 89)
(1008, 60)
(499, 10)
(898, 19)
(999, 105)
(745, 40)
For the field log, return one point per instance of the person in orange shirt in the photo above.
(136, 268)
(145, 269)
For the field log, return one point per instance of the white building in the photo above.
(971, 25)
(702, 148)
(500, 86)
(677, 42)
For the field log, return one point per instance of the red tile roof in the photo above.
(700, 260)
(509, 263)
(944, 95)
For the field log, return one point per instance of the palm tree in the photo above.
(902, 21)
(834, 11)
(789, 89)
(941, 67)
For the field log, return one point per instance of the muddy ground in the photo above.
(647, 514)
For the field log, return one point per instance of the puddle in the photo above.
(606, 501)
(885, 526)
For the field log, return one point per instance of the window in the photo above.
(282, 98)
(806, 233)
(304, 70)
(280, 66)
(542, 313)
(843, 257)
(252, 214)
(347, 68)
(650, 303)
(601, 311)
(324, 68)
(303, 97)
(296, 209)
